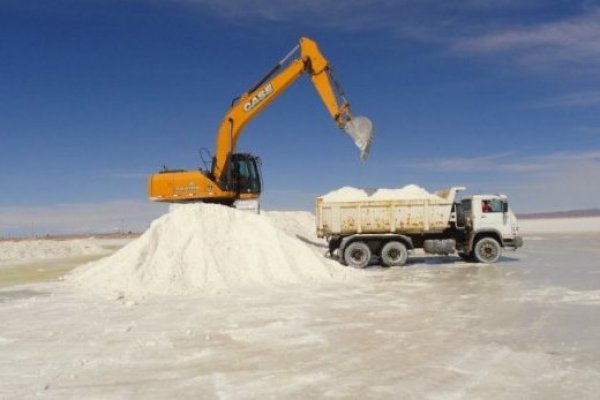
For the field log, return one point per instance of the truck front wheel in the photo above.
(487, 250)
(357, 255)
(394, 254)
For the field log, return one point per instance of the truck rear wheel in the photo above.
(487, 250)
(394, 254)
(357, 255)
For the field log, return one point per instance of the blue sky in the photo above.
(499, 96)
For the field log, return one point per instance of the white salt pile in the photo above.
(346, 193)
(408, 192)
(207, 248)
(298, 224)
(12, 252)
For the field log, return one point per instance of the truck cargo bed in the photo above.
(406, 216)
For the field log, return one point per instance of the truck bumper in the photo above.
(514, 242)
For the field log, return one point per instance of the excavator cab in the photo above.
(245, 181)
(246, 174)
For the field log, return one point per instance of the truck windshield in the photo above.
(496, 205)
(492, 206)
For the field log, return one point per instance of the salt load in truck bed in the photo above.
(407, 210)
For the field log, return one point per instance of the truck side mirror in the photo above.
(504, 207)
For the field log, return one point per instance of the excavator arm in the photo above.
(251, 103)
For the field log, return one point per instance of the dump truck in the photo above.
(477, 227)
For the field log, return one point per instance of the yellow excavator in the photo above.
(234, 178)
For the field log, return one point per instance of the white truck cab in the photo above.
(490, 214)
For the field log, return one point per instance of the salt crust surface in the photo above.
(211, 248)
(408, 192)
(559, 225)
(12, 252)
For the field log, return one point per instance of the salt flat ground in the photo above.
(439, 328)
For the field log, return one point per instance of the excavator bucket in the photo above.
(361, 131)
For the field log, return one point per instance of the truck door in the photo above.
(492, 215)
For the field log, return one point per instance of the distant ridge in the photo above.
(593, 212)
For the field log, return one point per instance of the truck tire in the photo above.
(487, 250)
(357, 254)
(394, 254)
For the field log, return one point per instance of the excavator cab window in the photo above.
(246, 175)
